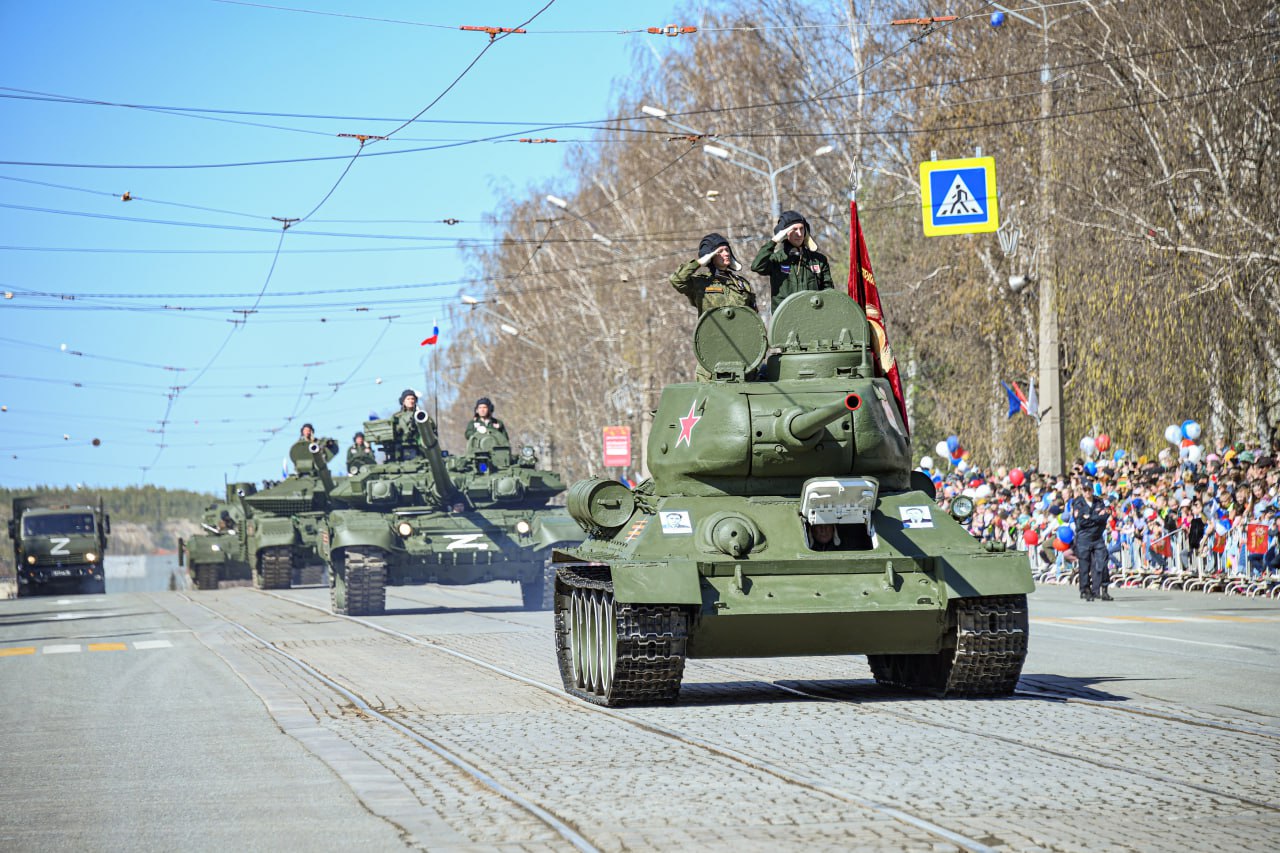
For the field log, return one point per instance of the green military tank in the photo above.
(271, 535)
(422, 517)
(782, 519)
(220, 553)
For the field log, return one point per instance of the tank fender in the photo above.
(667, 582)
(272, 532)
(554, 530)
(200, 549)
(967, 576)
(373, 533)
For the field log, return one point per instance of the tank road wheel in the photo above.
(616, 654)
(983, 653)
(205, 575)
(275, 568)
(540, 593)
(359, 582)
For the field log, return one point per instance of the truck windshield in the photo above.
(74, 523)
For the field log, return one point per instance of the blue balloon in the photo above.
(1119, 454)
(1184, 426)
(953, 441)
(997, 18)
(1066, 535)
(1091, 467)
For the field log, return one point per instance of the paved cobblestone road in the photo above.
(784, 752)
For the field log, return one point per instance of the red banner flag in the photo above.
(862, 287)
(1256, 538)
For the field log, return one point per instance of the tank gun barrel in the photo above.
(322, 465)
(799, 426)
(439, 484)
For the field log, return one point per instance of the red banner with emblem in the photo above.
(1256, 538)
(862, 287)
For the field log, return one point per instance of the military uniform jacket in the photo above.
(707, 289)
(357, 456)
(1090, 516)
(491, 425)
(791, 270)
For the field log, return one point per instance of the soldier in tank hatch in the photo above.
(307, 433)
(359, 453)
(483, 420)
(791, 259)
(711, 280)
(404, 427)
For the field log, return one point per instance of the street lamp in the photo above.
(725, 151)
(563, 204)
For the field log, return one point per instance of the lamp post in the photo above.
(508, 327)
(725, 151)
(563, 204)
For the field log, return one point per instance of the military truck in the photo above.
(269, 535)
(58, 549)
(220, 553)
(782, 519)
(423, 518)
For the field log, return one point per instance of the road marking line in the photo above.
(107, 647)
(17, 650)
(61, 650)
(153, 644)
(1159, 637)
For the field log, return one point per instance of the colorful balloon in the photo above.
(1173, 433)
(1193, 454)
(1087, 446)
(1191, 430)
(1103, 443)
(1091, 468)
(926, 462)
(1017, 477)
(953, 442)
(941, 449)
(1031, 538)
(1066, 534)
(1059, 545)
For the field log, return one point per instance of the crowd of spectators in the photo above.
(1214, 517)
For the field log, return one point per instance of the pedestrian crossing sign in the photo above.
(959, 196)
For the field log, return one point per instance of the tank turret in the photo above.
(731, 436)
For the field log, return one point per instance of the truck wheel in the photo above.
(205, 575)
(359, 587)
(275, 568)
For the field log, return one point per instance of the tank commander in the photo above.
(711, 280)
(359, 454)
(822, 537)
(404, 428)
(791, 259)
(307, 433)
(484, 421)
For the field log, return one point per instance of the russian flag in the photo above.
(435, 336)
(1017, 402)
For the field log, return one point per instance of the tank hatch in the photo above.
(730, 343)
(819, 336)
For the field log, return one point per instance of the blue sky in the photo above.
(105, 314)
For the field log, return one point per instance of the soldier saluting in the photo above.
(791, 259)
(711, 280)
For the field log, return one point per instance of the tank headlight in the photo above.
(31, 559)
(526, 452)
(215, 547)
(91, 557)
(961, 507)
(523, 527)
(405, 529)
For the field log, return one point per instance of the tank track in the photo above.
(363, 581)
(540, 593)
(205, 575)
(983, 655)
(623, 654)
(275, 568)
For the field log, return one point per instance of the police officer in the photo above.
(359, 454)
(484, 421)
(711, 280)
(1090, 513)
(791, 260)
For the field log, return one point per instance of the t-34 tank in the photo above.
(422, 518)
(716, 555)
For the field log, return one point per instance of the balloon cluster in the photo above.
(1184, 437)
(952, 450)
